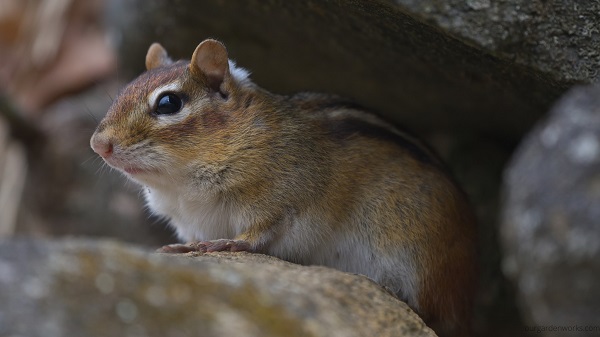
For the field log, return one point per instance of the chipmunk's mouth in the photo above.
(129, 166)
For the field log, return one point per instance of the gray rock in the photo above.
(551, 216)
(87, 288)
(560, 37)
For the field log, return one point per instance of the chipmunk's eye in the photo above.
(168, 104)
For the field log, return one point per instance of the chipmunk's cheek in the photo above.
(213, 121)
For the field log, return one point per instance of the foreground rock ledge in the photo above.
(91, 288)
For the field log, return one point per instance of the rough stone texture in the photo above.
(551, 220)
(560, 37)
(371, 51)
(87, 288)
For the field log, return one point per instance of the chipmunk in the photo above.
(308, 178)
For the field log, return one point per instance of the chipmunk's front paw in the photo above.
(221, 245)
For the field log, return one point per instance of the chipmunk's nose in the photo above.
(103, 146)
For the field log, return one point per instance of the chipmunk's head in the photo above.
(175, 116)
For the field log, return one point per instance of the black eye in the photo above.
(168, 104)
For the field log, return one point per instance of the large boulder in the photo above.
(87, 288)
(551, 216)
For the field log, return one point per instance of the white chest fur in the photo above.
(194, 219)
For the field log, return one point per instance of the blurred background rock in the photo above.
(471, 77)
(550, 224)
(58, 76)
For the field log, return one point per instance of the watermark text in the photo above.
(562, 328)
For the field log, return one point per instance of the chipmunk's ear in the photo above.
(210, 63)
(157, 57)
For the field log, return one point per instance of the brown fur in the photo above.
(307, 160)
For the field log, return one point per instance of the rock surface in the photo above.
(87, 288)
(559, 37)
(551, 220)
